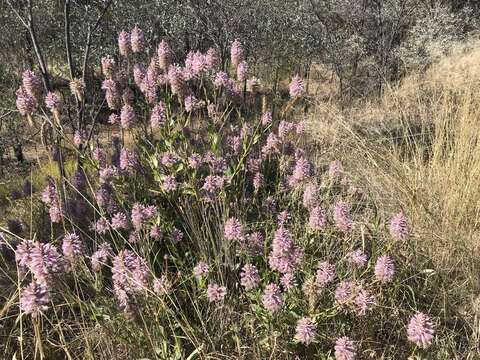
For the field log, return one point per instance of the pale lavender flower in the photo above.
(79, 138)
(211, 58)
(305, 331)
(345, 293)
(156, 232)
(399, 228)
(342, 217)
(267, 118)
(23, 253)
(384, 269)
(45, 261)
(72, 247)
(258, 181)
(272, 298)
(345, 349)
(52, 102)
(176, 235)
(124, 43)
(254, 164)
(128, 160)
(114, 119)
(127, 116)
(255, 243)
(325, 273)
(141, 215)
(236, 53)
(130, 276)
(221, 79)
(317, 218)
(285, 256)
(120, 220)
(169, 159)
(300, 128)
(297, 88)
(49, 194)
(272, 145)
(249, 277)
(26, 103)
(55, 212)
(164, 55)
(176, 81)
(284, 128)
(288, 281)
(100, 156)
(216, 293)
(107, 174)
(108, 67)
(134, 237)
(101, 256)
(102, 226)
(302, 171)
(242, 70)
(199, 64)
(112, 94)
(283, 217)
(139, 74)
(169, 183)
(364, 301)
(192, 103)
(137, 40)
(35, 298)
(213, 184)
(32, 84)
(149, 89)
(420, 330)
(201, 269)
(335, 169)
(103, 196)
(157, 117)
(195, 161)
(310, 195)
(235, 143)
(79, 180)
(357, 258)
(233, 229)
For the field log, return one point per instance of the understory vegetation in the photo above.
(202, 192)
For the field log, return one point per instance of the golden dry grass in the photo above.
(418, 148)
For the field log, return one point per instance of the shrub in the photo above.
(205, 219)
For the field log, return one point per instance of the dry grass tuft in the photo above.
(418, 147)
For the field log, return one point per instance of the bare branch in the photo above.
(68, 43)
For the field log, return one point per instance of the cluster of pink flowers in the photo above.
(130, 276)
(142, 214)
(342, 217)
(297, 87)
(233, 229)
(305, 331)
(52, 200)
(249, 278)
(272, 298)
(201, 269)
(43, 261)
(285, 256)
(420, 330)
(259, 148)
(216, 293)
(399, 228)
